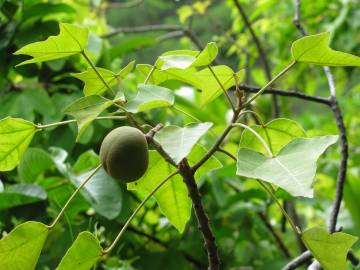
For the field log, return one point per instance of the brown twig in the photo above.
(204, 225)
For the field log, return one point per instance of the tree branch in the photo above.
(204, 225)
(286, 93)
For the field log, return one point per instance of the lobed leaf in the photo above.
(15, 137)
(315, 49)
(21, 248)
(94, 85)
(329, 249)
(71, 40)
(209, 86)
(293, 169)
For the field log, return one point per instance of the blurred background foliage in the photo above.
(241, 220)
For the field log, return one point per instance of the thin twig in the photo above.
(286, 93)
(56, 220)
(262, 53)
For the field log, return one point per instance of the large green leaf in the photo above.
(21, 248)
(102, 192)
(277, 133)
(15, 136)
(83, 254)
(71, 40)
(86, 109)
(293, 169)
(315, 49)
(210, 87)
(94, 85)
(21, 194)
(172, 197)
(185, 59)
(178, 142)
(329, 249)
(150, 97)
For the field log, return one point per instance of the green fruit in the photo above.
(124, 154)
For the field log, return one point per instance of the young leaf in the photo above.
(315, 49)
(150, 97)
(178, 142)
(210, 88)
(94, 85)
(83, 254)
(277, 133)
(86, 109)
(187, 59)
(15, 136)
(71, 40)
(21, 248)
(329, 249)
(293, 169)
(172, 197)
(21, 194)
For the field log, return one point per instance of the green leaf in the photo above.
(293, 169)
(172, 197)
(21, 248)
(210, 88)
(329, 249)
(187, 59)
(159, 76)
(315, 49)
(83, 254)
(86, 109)
(15, 136)
(33, 164)
(276, 133)
(94, 85)
(178, 142)
(102, 192)
(150, 97)
(71, 40)
(21, 194)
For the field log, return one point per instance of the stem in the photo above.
(56, 220)
(97, 72)
(113, 244)
(149, 74)
(74, 120)
(222, 88)
(286, 69)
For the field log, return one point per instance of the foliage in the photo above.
(69, 77)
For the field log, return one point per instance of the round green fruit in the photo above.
(124, 154)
